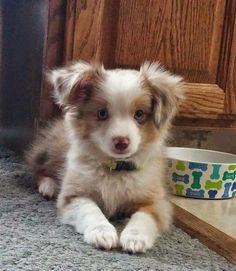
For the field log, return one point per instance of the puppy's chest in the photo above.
(114, 191)
(118, 191)
(117, 183)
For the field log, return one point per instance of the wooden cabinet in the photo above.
(196, 39)
(193, 38)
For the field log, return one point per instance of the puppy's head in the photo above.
(118, 112)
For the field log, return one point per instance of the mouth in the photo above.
(117, 155)
(123, 156)
(114, 154)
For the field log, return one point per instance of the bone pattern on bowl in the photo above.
(201, 180)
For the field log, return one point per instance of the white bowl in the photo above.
(198, 173)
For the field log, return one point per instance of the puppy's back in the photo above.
(46, 156)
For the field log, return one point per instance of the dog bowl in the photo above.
(204, 174)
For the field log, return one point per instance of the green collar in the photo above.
(123, 166)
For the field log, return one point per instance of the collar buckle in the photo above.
(121, 165)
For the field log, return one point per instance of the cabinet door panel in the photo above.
(193, 38)
(204, 100)
(185, 35)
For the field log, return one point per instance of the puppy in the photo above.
(105, 158)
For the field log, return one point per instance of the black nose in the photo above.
(121, 143)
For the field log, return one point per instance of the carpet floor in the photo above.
(32, 238)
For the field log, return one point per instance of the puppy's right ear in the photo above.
(166, 91)
(76, 83)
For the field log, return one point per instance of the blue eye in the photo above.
(139, 115)
(102, 114)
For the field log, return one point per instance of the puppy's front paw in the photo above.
(47, 187)
(134, 241)
(101, 236)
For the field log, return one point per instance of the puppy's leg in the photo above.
(145, 225)
(47, 187)
(87, 218)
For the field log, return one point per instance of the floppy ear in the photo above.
(76, 83)
(166, 90)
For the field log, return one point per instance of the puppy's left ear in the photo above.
(76, 83)
(166, 90)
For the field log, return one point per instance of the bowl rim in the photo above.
(201, 151)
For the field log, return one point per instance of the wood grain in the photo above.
(88, 20)
(91, 30)
(108, 33)
(203, 122)
(53, 55)
(202, 99)
(181, 34)
(207, 234)
(230, 102)
(69, 31)
(226, 43)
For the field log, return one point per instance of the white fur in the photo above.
(86, 158)
(162, 78)
(120, 89)
(47, 187)
(113, 188)
(62, 79)
(88, 219)
(140, 233)
(124, 127)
